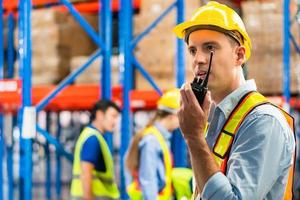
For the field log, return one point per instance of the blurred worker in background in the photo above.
(149, 158)
(93, 168)
(247, 150)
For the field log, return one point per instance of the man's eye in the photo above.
(192, 51)
(210, 47)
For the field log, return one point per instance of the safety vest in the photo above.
(134, 190)
(225, 139)
(182, 183)
(103, 183)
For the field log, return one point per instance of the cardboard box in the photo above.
(157, 51)
(264, 24)
(56, 38)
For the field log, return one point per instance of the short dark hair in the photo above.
(103, 105)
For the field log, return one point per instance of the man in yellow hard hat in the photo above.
(149, 157)
(241, 146)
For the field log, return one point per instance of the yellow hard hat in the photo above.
(169, 101)
(217, 15)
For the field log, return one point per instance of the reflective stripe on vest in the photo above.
(103, 183)
(225, 139)
(134, 190)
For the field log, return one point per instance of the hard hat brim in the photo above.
(180, 29)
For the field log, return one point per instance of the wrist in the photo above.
(195, 139)
(194, 135)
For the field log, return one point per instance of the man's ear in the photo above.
(240, 55)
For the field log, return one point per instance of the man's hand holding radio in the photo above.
(193, 117)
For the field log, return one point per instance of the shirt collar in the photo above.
(165, 133)
(231, 100)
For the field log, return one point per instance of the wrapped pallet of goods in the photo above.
(264, 23)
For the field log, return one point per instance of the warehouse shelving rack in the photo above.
(289, 38)
(286, 50)
(127, 45)
(39, 98)
(24, 95)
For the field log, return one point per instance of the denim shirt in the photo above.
(152, 168)
(260, 156)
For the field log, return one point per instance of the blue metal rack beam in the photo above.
(105, 30)
(58, 161)
(10, 74)
(1, 116)
(48, 159)
(9, 161)
(179, 59)
(10, 166)
(125, 36)
(1, 43)
(179, 147)
(105, 18)
(293, 40)
(53, 141)
(25, 71)
(10, 46)
(126, 46)
(20, 50)
(286, 50)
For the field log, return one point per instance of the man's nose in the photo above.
(200, 58)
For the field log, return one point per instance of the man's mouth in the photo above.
(201, 74)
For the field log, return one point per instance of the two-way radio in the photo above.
(199, 86)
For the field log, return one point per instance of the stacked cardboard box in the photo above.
(264, 21)
(76, 38)
(92, 73)
(49, 55)
(157, 51)
(56, 38)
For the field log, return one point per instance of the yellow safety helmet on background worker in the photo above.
(169, 101)
(218, 17)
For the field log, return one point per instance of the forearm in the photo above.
(87, 188)
(193, 121)
(86, 180)
(203, 163)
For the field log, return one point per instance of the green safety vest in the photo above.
(103, 183)
(182, 183)
(134, 190)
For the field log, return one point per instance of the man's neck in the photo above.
(98, 127)
(165, 123)
(218, 96)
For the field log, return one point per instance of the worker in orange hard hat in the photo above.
(149, 157)
(247, 150)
